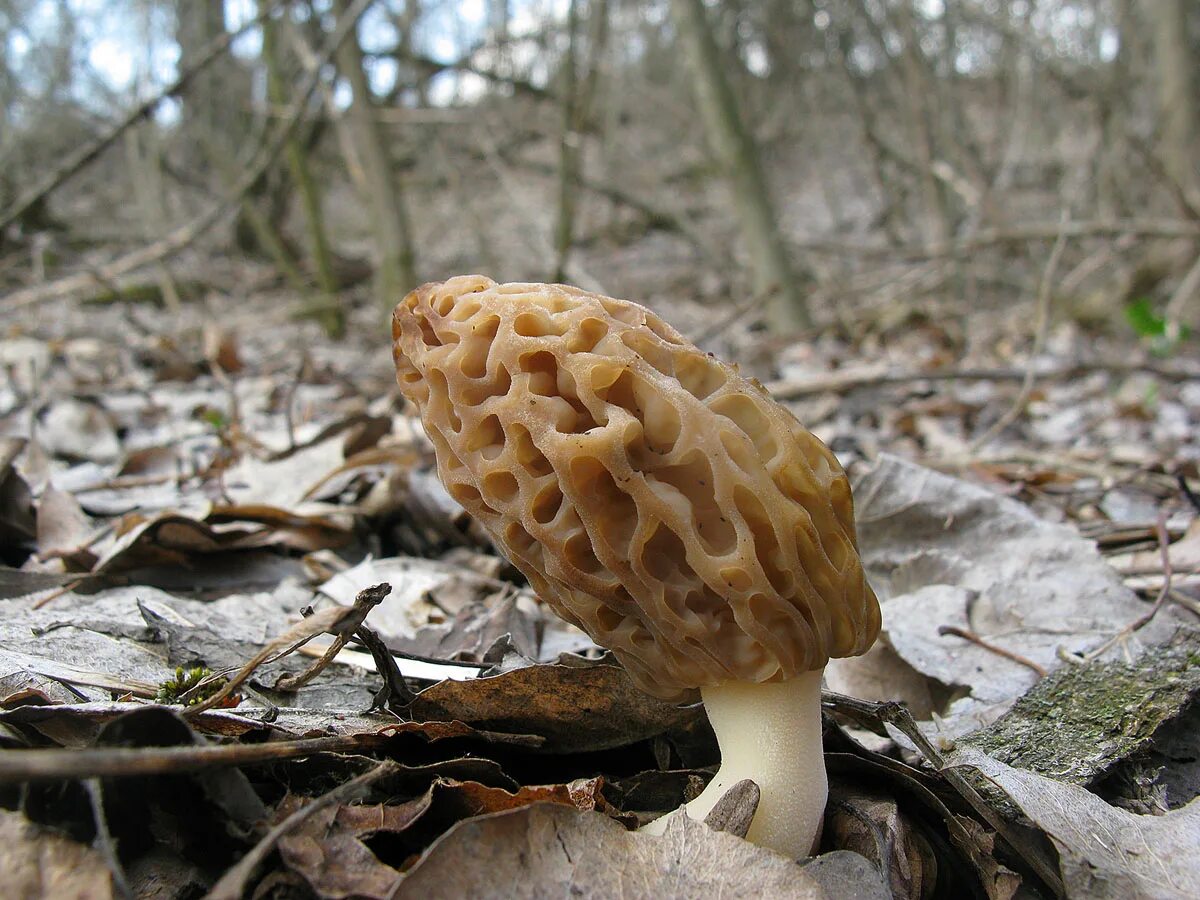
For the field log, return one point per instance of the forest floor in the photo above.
(178, 484)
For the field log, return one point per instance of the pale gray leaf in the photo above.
(40, 863)
(549, 850)
(1105, 853)
(941, 551)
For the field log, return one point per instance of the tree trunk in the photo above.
(500, 12)
(918, 89)
(408, 75)
(297, 160)
(213, 106)
(327, 310)
(396, 271)
(1112, 111)
(738, 156)
(1177, 97)
(568, 148)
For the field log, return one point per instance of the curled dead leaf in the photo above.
(589, 706)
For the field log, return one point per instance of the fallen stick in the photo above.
(839, 382)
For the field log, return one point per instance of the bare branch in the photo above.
(187, 233)
(85, 154)
(19, 766)
(848, 381)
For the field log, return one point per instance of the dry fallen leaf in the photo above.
(63, 529)
(582, 707)
(464, 799)
(548, 850)
(284, 482)
(872, 824)
(415, 585)
(220, 348)
(173, 538)
(943, 552)
(1105, 853)
(328, 849)
(18, 523)
(930, 849)
(19, 583)
(1080, 722)
(76, 429)
(1144, 570)
(37, 863)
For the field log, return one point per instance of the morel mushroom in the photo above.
(661, 502)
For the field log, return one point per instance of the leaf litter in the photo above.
(164, 519)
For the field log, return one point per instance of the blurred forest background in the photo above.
(951, 235)
(800, 163)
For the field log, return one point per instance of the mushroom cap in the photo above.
(651, 495)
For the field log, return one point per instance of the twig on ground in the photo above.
(896, 715)
(968, 635)
(1179, 598)
(1164, 544)
(65, 589)
(300, 633)
(847, 381)
(233, 883)
(18, 766)
(288, 402)
(122, 482)
(394, 692)
(368, 598)
(1034, 231)
(1041, 327)
(221, 377)
(330, 430)
(1068, 657)
(1083, 462)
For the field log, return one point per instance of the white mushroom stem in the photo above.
(771, 734)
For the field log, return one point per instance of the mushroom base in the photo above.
(771, 734)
